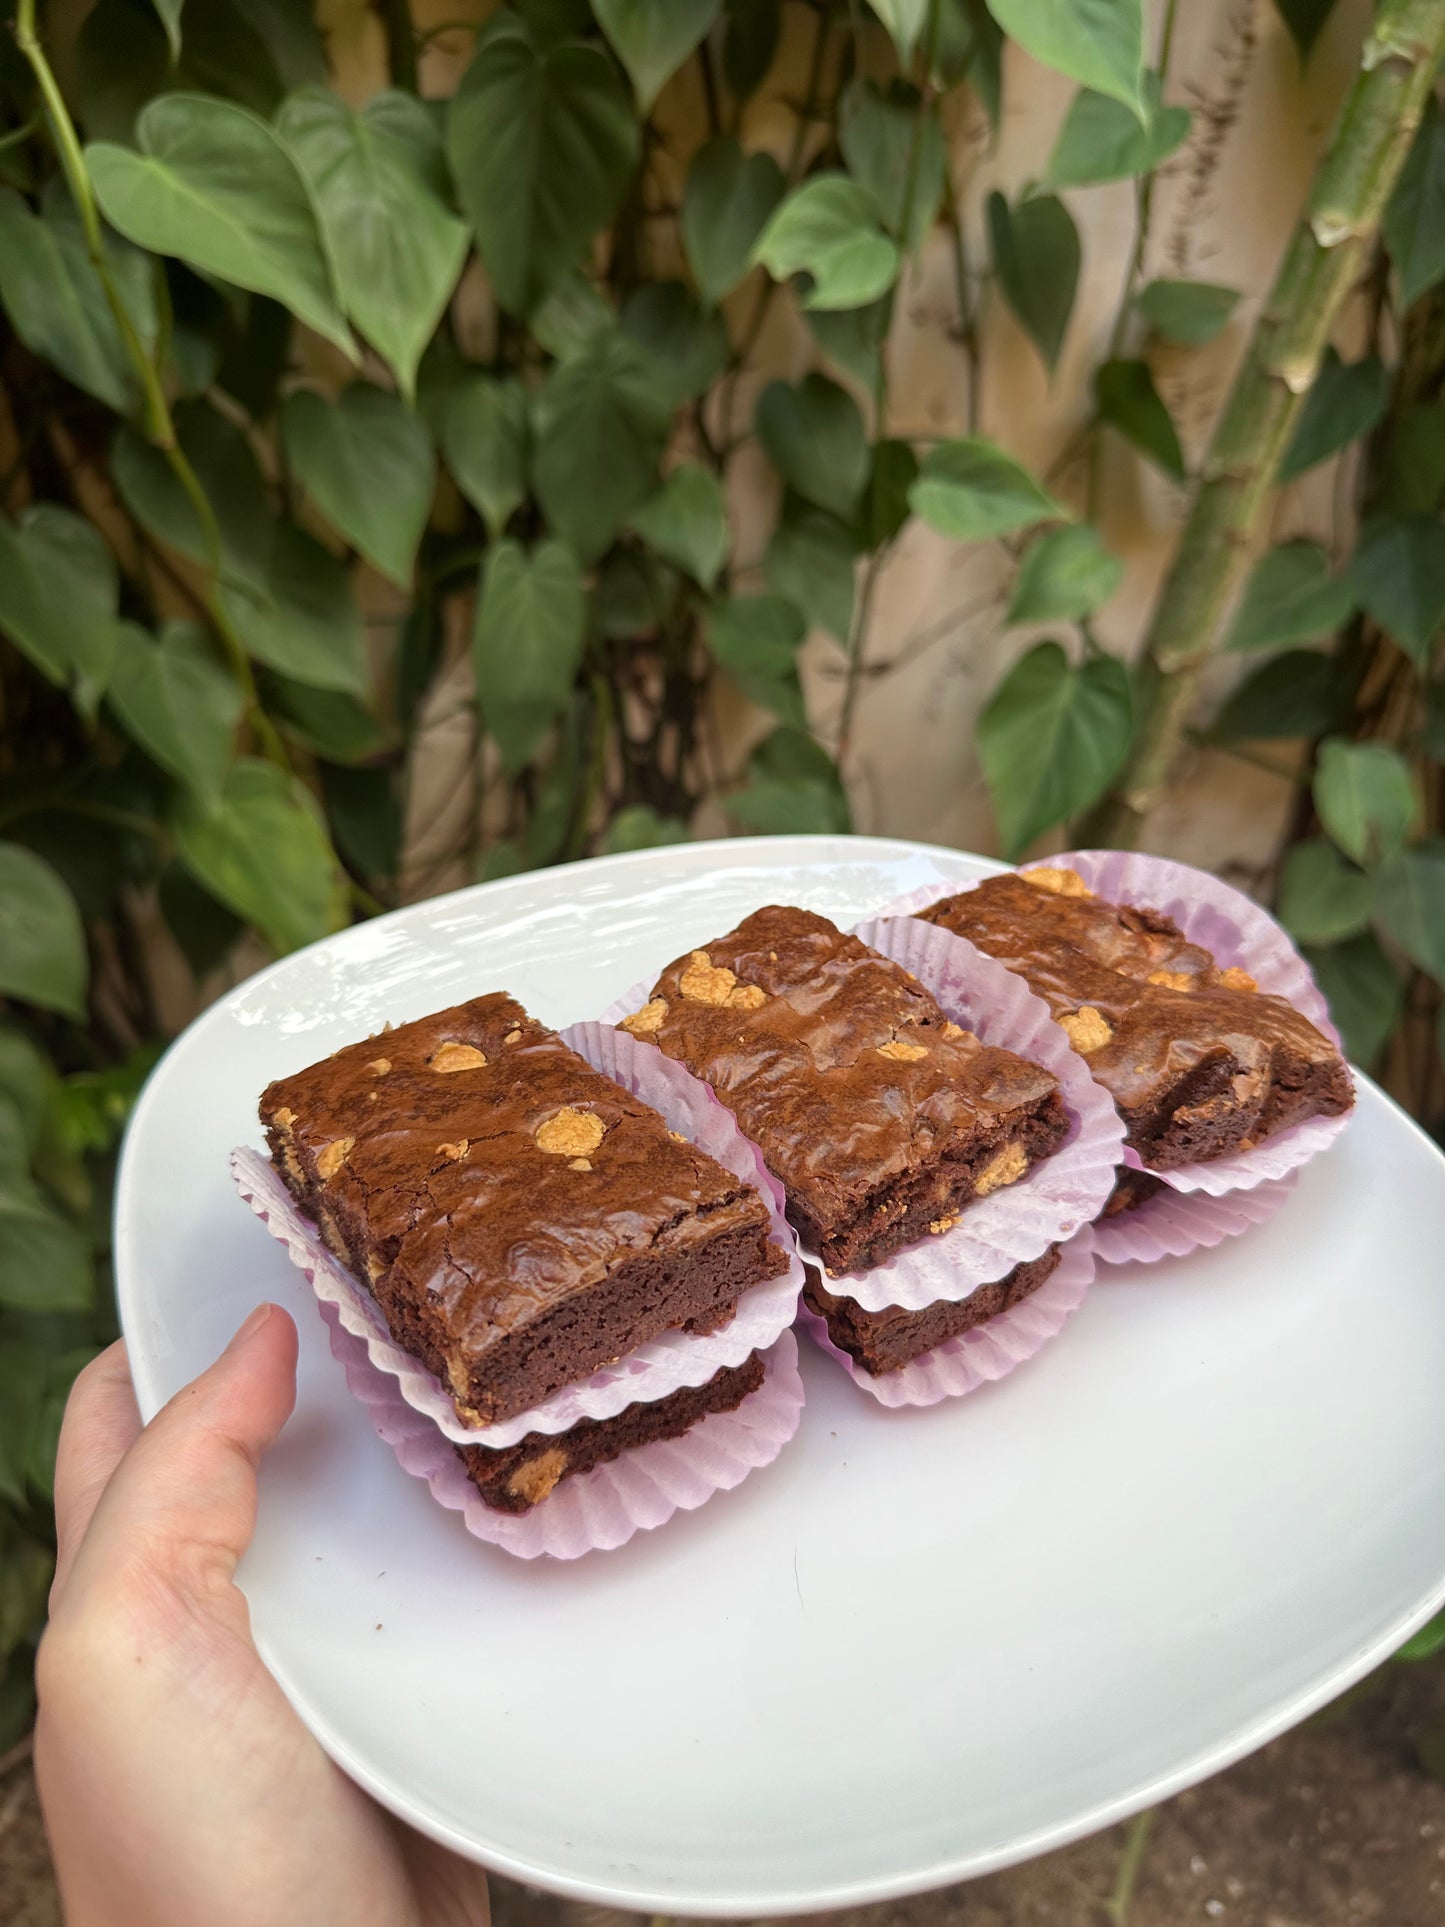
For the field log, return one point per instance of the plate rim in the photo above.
(1246, 1738)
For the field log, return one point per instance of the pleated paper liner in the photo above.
(1237, 933)
(987, 1353)
(1059, 1196)
(603, 1508)
(663, 1365)
(1171, 1224)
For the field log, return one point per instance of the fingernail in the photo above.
(252, 1325)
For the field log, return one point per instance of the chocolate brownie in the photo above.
(882, 1119)
(520, 1219)
(1200, 1062)
(1131, 1189)
(885, 1341)
(517, 1477)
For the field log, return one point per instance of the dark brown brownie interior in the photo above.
(517, 1477)
(885, 1341)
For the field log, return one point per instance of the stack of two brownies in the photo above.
(521, 1221)
(883, 1120)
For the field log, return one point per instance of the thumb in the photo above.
(181, 1505)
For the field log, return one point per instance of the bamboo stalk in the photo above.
(1347, 202)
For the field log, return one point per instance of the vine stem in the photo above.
(1143, 223)
(1136, 1841)
(1351, 190)
(160, 427)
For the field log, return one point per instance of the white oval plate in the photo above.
(924, 1643)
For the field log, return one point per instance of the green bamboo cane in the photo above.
(1324, 258)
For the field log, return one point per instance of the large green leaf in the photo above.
(1103, 140)
(1129, 401)
(1364, 796)
(893, 144)
(543, 142)
(905, 21)
(1036, 257)
(686, 344)
(1187, 312)
(794, 787)
(214, 186)
(177, 701)
(1051, 739)
(756, 639)
(1410, 479)
(571, 315)
(725, 206)
(262, 849)
(484, 438)
(599, 423)
(1298, 693)
(885, 506)
(814, 437)
(1099, 43)
(1363, 990)
(1305, 18)
(1290, 597)
(810, 563)
(970, 490)
(57, 306)
(1398, 574)
(1065, 575)
(1415, 217)
(301, 616)
(1347, 401)
(686, 521)
(750, 43)
(637, 827)
(27, 1082)
(1410, 904)
(42, 945)
(1321, 897)
(380, 181)
(830, 229)
(853, 338)
(44, 1261)
(58, 591)
(531, 619)
(325, 721)
(367, 463)
(226, 469)
(968, 45)
(652, 38)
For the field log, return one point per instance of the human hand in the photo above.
(178, 1785)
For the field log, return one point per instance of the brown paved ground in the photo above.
(1333, 1826)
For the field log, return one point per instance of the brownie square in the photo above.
(516, 1477)
(886, 1341)
(520, 1219)
(1199, 1061)
(881, 1118)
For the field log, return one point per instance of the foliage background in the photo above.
(521, 453)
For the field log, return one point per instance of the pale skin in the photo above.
(177, 1783)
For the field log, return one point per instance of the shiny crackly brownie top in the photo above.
(837, 1063)
(1141, 1002)
(493, 1165)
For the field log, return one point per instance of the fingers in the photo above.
(181, 1504)
(101, 1424)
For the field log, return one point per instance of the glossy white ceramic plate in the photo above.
(924, 1643)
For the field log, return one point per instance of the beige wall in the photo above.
(1223, 211)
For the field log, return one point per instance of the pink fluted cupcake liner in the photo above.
(1236, 932)
(1057, 1198)
(663, 1365)
(1060, 1195)
(978, 1357)
(601, 1509)
(1173, 1223)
